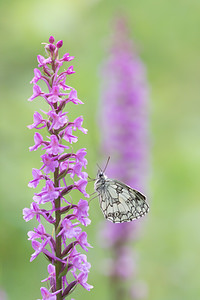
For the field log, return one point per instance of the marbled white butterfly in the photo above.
(118, 201)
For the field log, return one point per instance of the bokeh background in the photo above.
(167, 35)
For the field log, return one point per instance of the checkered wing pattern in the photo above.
(119, 202)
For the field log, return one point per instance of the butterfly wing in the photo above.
(120, 203)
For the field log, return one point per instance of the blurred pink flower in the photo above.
(125, 138)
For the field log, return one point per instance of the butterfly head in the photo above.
(100, 181)
(101, 175)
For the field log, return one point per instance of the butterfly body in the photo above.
(118, 201)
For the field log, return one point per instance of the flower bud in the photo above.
(51, 39)
(52, 47)
(59, 44)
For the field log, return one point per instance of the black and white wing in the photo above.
(120, 203)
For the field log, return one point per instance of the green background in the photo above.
(167, 33)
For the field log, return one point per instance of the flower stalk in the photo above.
(124, 137)
(58, 238)
(61, 172)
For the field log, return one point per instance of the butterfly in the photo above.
(118, 201)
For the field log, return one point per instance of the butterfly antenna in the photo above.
(99, 168)
(106, 164)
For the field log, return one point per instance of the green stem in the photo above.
(58, 238)
(118, 286)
